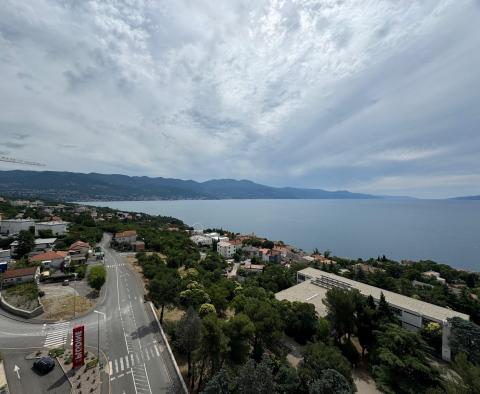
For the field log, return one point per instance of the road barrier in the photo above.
(21, 312)
(170, 353)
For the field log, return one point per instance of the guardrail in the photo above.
(178, 374)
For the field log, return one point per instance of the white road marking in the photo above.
(56, 334)
(121, 363)
(127, 365)
(116, 366)
(156, 349)
(110, 370)
(131, 357)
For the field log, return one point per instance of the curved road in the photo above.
(138, 360)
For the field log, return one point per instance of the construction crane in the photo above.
(24, 162)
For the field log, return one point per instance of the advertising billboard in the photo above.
(78, 336)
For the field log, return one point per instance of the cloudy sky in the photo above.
(371, 96)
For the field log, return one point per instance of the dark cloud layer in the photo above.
(376, 96)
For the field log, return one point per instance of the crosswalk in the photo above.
(119, 367)
(56, 334)
(115, 265)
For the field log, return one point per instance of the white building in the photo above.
(313, 285)
(201, 240)
(434, 275)
(226, 249)
(57, 227)
(14, 226)
(41, 244)
(5, 255)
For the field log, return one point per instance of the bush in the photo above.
(91, 364)
(97, 277)
(56, 352)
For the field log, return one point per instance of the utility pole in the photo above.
(98, 332)
(74, 291)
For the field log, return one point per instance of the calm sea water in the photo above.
(444, 231)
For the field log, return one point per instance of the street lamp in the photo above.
(74, 291)
(98, 332)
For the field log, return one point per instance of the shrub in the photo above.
(97, 277)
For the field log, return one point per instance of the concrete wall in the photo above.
(21, 312)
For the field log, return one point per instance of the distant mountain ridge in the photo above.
(466, 198)
(71, 186)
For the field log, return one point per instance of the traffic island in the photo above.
(85, 379)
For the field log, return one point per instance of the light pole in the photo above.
(74, 291)
(98, 332)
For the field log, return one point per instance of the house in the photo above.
(21, 275)
(367, 268)
(139, 246)
(14, 226)
(5, 255)
(265, 254)
(249, 267)
(251, 251)
(201, 240)
(56, 227)
(79, 247)
(434, 275)
(56, 259)
(226, 249)
(41, 245)
(126, 237)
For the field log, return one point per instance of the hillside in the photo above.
(70, 186)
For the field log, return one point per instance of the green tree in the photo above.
(188, 335)
(469, 374)
(342, 306)
(384, 312)
(255, 378)
(301, 321)
(240, 331)
(319, 357)
(366, 324)
(97, 276)
(26, 243)
(218, 384)
(464, 338)
(163, 289)
(399, 361)
(330, 382)
(206, 309)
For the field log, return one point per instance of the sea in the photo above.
(446, 231)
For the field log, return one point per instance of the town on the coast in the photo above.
(124, 300)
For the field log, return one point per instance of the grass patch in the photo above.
(57, 352)
(23, 296)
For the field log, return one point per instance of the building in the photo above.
(41, 245)
(226, 249)
(434, 275)
(56, 259)
(201, 240)
(251, 251)
(139, 246)
(56, 227)
(126, 237)
(249, 267)
(79, 247)
(14, 226)
(313, 285)
(21, 275)
(5, 255)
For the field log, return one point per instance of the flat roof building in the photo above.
(313, 285)
(58, 227)
(14, 226)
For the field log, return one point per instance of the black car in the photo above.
(44, 365)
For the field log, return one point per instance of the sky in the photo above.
(370, 96)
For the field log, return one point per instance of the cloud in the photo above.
(309, 93)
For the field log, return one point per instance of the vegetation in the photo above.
(97, 276)
(26, 243)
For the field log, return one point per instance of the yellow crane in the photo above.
(18, 161)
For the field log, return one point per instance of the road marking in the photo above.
(127, 365)
(133, 362)
(116, 366)
(156, 349)
(56, 334)
(121, 363)
(110, 370)
(148, 356)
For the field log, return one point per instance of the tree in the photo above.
(163, 289)
(301, 321)
(320, 356)
(399, 361)
(366, 324)
(26, 243)
(206, 309)
(330, 382)
(384, 312)
(286, 380)
(465, 338)
(469, 373)
(97, 277)
(218, 384)
(188, 335)
(342, 305)
(255, 378)
(240, 331)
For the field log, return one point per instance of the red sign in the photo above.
(78, 346)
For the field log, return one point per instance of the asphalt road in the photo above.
(138, 361)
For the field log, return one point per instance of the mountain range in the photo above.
(71, 186)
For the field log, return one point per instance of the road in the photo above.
(138, 360)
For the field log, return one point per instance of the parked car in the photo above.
(65, 282)
(44, 365)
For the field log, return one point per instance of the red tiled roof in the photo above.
(49, 256)
(127, 233)
(79, 245)
(16, 273)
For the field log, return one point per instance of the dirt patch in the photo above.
(57, 308)
(23, 296)
(364, 382)
(172, 315)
